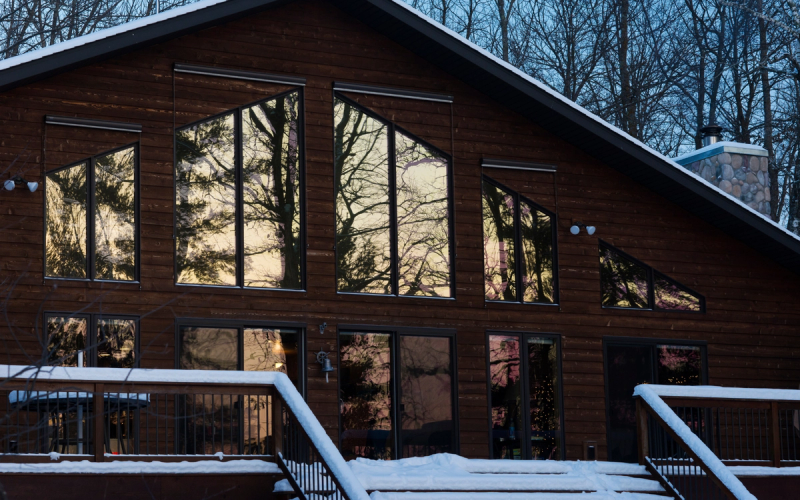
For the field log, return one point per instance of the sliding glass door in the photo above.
(525, 394)
(378, 369)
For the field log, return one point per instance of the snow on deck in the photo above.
(132, 467)
(514, 496)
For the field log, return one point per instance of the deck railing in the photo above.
(104, 414)
(689, 435)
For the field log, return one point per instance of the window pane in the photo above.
(628, 366)
(672, 297)
(537, 255)
(506, 380)
(545, 397)
(498, 243)
(115, 216)
(65, 337)
(205, 197)
(361, 176)
(426, 388)
(271, 193)
(679, 365)
(366, 396)
(623, 282)
(423, 244)
(116, 343)
(65, 217)
(209, 348)
(272, 350)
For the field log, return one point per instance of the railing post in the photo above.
(641, 431)
(277, 423)
(99, 423)
(775, 432)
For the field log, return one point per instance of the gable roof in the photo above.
(471, 64)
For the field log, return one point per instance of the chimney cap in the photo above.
(711, 129)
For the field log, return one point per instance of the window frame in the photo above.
(240, 325)
(651, 289)
(239, 215)
(525, 403)
(394, 333)
(90, 352)
(392, 128)
(518, 198)
(652, 343)
(90, 220)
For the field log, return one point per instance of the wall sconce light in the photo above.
(577, 225)
(324, 360)
(19, 181)
(322, 328)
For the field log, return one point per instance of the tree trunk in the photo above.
(767, 100)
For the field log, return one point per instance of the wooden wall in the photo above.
(753, 321)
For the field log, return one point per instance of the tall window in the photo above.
(519, 247)
(91, 218)
(393, 231)
(375, 368)
(106, 341)
(629, 362)
(627, 283)
(525, 389)
(238, 197)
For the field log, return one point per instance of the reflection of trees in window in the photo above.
(115, 215)
(116, 343)
(205, 207)
(365, 147)
(506, 395)
(209, 348)
(518, 247)
(679, 365)
(65, 337)
(627, 283)
(265, 249)
(74, 213)
(65, 219)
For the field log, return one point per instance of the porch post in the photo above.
(641, 431)
(99, 427)
(277, 423)
(775, 432)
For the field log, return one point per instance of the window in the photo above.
(525, 396)
(112, 344)
(519, 247)
(396, 387)
(630, 362)
(91, 218)
(225, 345)
(627, 283)
(238, 197)
(393, 228)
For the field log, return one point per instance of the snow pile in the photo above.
(651, 393)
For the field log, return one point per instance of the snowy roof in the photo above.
(476, 66)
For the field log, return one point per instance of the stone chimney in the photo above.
(738, 169)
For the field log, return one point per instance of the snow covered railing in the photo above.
(676, 453)
(55, 413)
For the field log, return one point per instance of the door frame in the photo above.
(394, 333)
(650, 342)
(525, 396)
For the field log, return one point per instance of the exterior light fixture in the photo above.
(322, 328)
(19, 181)
(577, 225)
(324, 360)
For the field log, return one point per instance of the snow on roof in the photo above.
(180, 11)
(716, 392)
(720, 147)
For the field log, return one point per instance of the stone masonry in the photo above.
(738, 169)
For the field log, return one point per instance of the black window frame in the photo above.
(240, 325)
(652, 343)
(392, 186)
(525, 403)
(90, 351)
(394, 333)
(239, 216)
(651, 289)
(90, 222)
(518, 246)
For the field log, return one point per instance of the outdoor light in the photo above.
(577, 225)
(19, 181)
(322, 358)
(322, 328)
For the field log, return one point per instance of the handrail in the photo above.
(651, 406)
(289, 399)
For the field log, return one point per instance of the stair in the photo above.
(450, 477)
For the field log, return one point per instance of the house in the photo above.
(260, 185)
